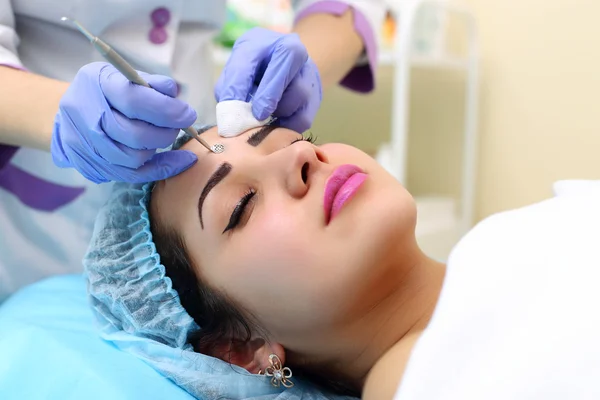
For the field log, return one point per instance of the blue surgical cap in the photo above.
(138, 310)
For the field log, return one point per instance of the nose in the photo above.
(305, 162)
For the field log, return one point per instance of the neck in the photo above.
(404, 308)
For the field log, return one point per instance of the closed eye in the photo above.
(240, 213)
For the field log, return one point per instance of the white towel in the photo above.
(235, 117)
(576, 187)
(518, 317)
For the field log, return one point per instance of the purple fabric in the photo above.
(6, 153)
(35, 192)
(361, 78)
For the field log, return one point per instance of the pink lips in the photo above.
(343, 183)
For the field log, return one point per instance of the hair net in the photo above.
(140, 313)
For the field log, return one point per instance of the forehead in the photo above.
(235, 149)
(210, 135)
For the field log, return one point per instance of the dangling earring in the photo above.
(279, 375)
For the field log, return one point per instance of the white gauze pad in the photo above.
(235, 117)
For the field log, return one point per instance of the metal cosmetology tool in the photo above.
(131, 74)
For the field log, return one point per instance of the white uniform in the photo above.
(47, 213)
(518, 313)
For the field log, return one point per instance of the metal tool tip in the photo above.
(217, 148)
(80, 28)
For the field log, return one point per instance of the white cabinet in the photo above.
(441, 220)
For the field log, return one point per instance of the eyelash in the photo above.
(310, 138)
(241, 208)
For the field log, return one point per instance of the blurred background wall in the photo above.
(539, 98)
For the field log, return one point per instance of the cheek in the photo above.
(269, 264)
(270, 248)
(276, 240)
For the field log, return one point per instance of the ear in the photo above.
(253, 355)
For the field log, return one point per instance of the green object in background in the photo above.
(234, 27)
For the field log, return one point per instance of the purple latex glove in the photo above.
(277, 66)
(109, 129)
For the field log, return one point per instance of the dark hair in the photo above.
(220, 319)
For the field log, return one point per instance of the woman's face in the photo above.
(262, 223)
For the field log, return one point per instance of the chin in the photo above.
(379, 225)
(390, 221)
(382, 232)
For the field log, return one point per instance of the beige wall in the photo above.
(435, 125)
(540, 98)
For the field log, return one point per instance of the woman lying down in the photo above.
(296, 267)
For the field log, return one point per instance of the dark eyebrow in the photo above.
(254, 140)
(213, 181)
(257, 137)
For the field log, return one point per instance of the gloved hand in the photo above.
(109, 128)
(289, 85)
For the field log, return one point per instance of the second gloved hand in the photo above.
(109, 128)
(277, 66)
